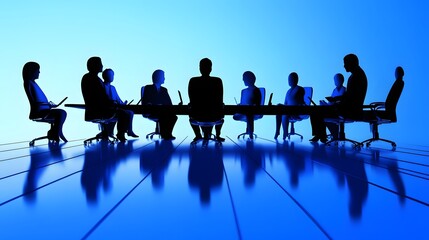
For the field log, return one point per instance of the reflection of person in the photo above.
(294, 96)
(338, 91)
(155, 94)
(39, 104)
(108, 76)
(249, 96)
(97, 103)
(205, 171)
(206, 100)
(350, 105)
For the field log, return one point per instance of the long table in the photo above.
(228, 109)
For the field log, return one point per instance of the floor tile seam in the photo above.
(298, 204)
(105, 216)
(39, 153)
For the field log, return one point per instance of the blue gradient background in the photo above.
(270, 38)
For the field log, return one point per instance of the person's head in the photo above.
(351, 62)
(293, 79)
(94, 65)
(205, 66)
(399, 72)
(338, 79)
(108, 75)
(158, 77)
(249, 78)
(30, 71)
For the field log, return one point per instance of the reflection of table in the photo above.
(228, 109)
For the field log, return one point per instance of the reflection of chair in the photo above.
(250, 124)
(156, 120)
(382, 113)
(50, 121)
(308, 95)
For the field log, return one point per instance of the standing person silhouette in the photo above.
(98, 105)
(108, 76)
(155, 94)
(39, 104)
(294, 96)
(206, 100)
(350, 105)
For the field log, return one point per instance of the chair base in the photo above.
(206, 141)
(251, 135)
(31, 143)
(368, 142)
(101, 136)
(291, 134)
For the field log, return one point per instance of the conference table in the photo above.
(227, 109)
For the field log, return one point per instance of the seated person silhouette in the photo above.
(338, 91)
(108, 76)
(350, 104)
(249, 96)
(98, 105)
(206, 101)
(294, 96)
(39, 104)
(154, 94)
(335, 97)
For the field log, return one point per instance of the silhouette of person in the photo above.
(98, 105)
(108, 76)
(40, 107)
(206, 100)
(349, 106)
(294, 96)
(155, 94)
(249, 96)
(338, 91)
(335, 97)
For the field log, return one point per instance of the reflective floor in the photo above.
(258, 189)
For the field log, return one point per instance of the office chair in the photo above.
(50, 121)
(249, 128)
(340, 122)
(105, 133)
(308, 95)
(156, 120)
(383, 113)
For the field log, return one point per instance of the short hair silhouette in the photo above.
(250, 77)
(293, 78)
(205, 66)
(29, 69)
(94, 64)
(108, 75)
(339, 79)
(156, 74)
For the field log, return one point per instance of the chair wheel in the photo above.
(368, 144)
(31, 143)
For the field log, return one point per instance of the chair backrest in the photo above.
(263, 93)
(308, 95)
(149, 116)
(393, 98)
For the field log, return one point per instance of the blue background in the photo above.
(270, 38)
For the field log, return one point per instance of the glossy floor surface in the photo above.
(258, 189)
